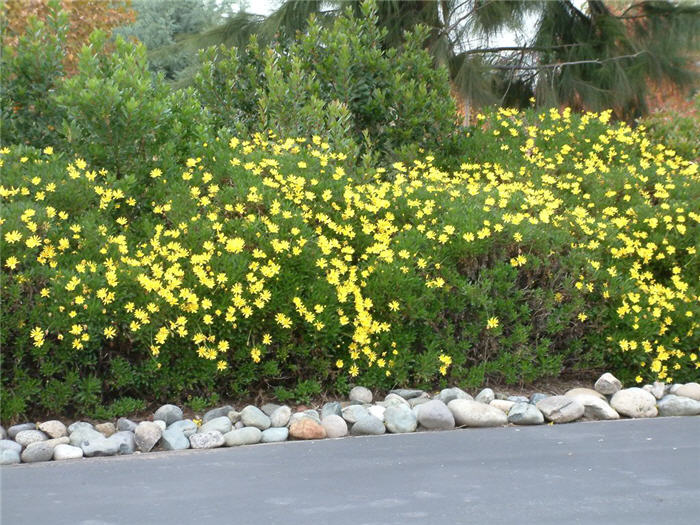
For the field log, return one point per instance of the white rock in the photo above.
(377, 411)
(335, 426)
(575, 392)
(594, 407)
(634, 402)
(470, 413)
(672, 405)
(691, 390)
(485, 396)
(27, 437)
(61, 452)
(280, 417)
(502, 405)
(53, 428)
(361, 394)
(607, 384)
(560, 409)
(146, 435)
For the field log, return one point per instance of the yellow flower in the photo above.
(492, 322)
(11, 262)
(394, 306)
(13, 236)
(221, 365)
(255, 354)
(354, 371)
(109, 332)
(339, 363)
(582, 317)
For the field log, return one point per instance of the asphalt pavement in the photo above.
(618, 472)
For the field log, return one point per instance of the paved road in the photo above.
(630, 471)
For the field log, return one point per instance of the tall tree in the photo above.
(590, 54)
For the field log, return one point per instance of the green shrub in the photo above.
(678, 130)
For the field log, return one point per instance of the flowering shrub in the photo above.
(565, 242)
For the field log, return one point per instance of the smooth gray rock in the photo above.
(280, 417)
(485, 396)
(238, 425)
(147, 434)
(313, 414)
(125, 442)
(394, 400)
(518, 399)
(221, 424)
(234, 415)
(27, 437)
(657, 389)
(595, 408)
(174, 439)
(106, 429)
(434, 415)
(274, 435)
(607, 384)
(560, 409)
(354, 412)
(269, 408)
(378, 411)
(672, 405)
(8, 444)
(53, 429)
(674, 388)
(16, 429)
(161, 424)
(83, 434)
(585, 392)
(3, 432)
(407, 393)
(470, 413)
(99, 446)
(361, 394)
(216, 412)
(537, 397)
(38, 451)
(502, 405)
(335, 426)
(691, 390)
(185, 426)
(331, 408)
(634, 402)
(243, 436)
(525, 414)
(399, 420)
(415, 401)
(252, 416)
(213, 439)
(63, 452)
(124, 424)
(368, 426)
(79, 425)
(9, 457)
(448, 394)
(168, 413)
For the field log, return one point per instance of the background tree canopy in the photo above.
(591, 54)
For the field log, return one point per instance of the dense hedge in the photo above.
(561, 242)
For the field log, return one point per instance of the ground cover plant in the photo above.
(560, 241)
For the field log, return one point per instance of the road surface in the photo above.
(628, 471)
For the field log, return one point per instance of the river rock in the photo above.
(161, 424)
(147, 434)
(9, 457)
(8, 444)
(99, 446)
(106, 429)
(53, 429)
(125, 441)
(3, 432)
(27, 437)
(307, 428)
(394, 400)
(368, 426)
(186, 426)
(657, 389)
(502, 405)
(525, 414)
(169, 414)
(83, 434)
(354, 412)
(434, 415)
(252, 416)
(448, 394)
(243, 436)
(269, 408)
(211, 439)
(221, 424)
(607, 384)
(415, 401)
(485, 396)
(672, 405)
(594, 407)
(234, 416)
(574, 392)
(174, 439)
(79, 425)
(518, 399)
(335, 426)
(280, 417)
(634, 402)
(275, 435)
(63, 452)
(560, 409)
(407, 393)
(16, 429)
(216, 412)
(400, 420)
(361, 395)
(537, 397)
(39, 451)
(124, 424)
(378, 411)
(470, 413)
(313, 414)
(691, 390)
(331, 408)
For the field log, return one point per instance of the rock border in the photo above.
(401, 411)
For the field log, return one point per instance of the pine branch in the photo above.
(575, 63)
